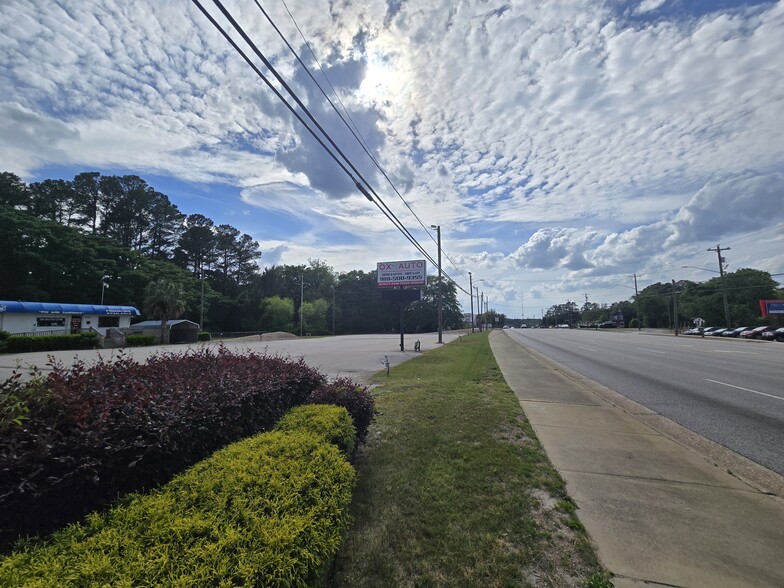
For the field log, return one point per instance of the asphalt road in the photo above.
(730, 391)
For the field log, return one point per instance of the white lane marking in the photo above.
(652, 351)
(735, 351)
(586, 348)
(745, 389)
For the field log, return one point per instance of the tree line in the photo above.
(59, 238)
(653, 306)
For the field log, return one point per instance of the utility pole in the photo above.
(637, 304)
(471, 295)
(440, 296)
(522, 307)
(718, 251)
(675, 307)
(481, 310)
(333, 310)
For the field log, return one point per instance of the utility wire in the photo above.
(359, 186)
(353, 128)
(378, 201)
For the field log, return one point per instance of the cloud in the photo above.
(731, 204)
(556, 247)
(649, 6)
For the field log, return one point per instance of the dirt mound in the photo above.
(274, 336)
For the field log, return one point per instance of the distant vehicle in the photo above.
(563, 326)
(717, 332)
(755, 333)
(734, 332)
(523, 326)
(607, 325)
(778, 335)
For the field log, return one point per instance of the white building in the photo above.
(50, 318)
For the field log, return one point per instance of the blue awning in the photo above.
(17, 306)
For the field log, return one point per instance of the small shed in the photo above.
(180, 330)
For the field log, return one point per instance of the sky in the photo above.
(562, 146)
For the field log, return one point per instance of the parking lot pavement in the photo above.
(356, 356)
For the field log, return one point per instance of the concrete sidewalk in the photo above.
(658, 501)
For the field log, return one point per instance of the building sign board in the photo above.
(772, 307)
(401, 273)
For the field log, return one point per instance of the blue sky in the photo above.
(561, 146)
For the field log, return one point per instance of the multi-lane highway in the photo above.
(730, 391)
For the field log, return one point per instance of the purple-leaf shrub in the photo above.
(354, 397)
(95, 432)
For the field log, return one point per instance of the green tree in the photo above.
(314, 317)
(164, 301)
(278, 314)
(13, 191)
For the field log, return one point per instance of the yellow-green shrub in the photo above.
(331, 422)
(266, 511)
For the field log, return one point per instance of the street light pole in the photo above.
(301, 300)
(104, 285)
(333, 309)
(471, 296)
(440, 295)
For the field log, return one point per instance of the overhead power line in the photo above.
(364, 186)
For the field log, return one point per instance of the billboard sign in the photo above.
(401, 273)
(772, 307)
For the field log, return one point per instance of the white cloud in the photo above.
(580, 144)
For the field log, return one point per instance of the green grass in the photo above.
(453, 487)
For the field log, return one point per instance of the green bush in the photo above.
(332, 423)
(139, 340)
(25, 343)
(204, 336)
(4, 335)
(266, 511)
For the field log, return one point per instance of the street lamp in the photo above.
(104, 285)
(440, 297)
(723, 286)
(301, 300)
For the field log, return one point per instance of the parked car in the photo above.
(755, 333)
(778, 335)
(718, 331)
(734, 332)
(607, 325)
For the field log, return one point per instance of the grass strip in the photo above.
(454, 489)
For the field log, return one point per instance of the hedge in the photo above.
(25, 343)
(354, 397)
(266, 511)
(332, 423)
(204, 336)
(93, 432)
(139, 340)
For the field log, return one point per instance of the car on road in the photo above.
(734, 332)
(754, 333)
(778, 335)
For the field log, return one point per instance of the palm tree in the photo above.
(163, 300)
